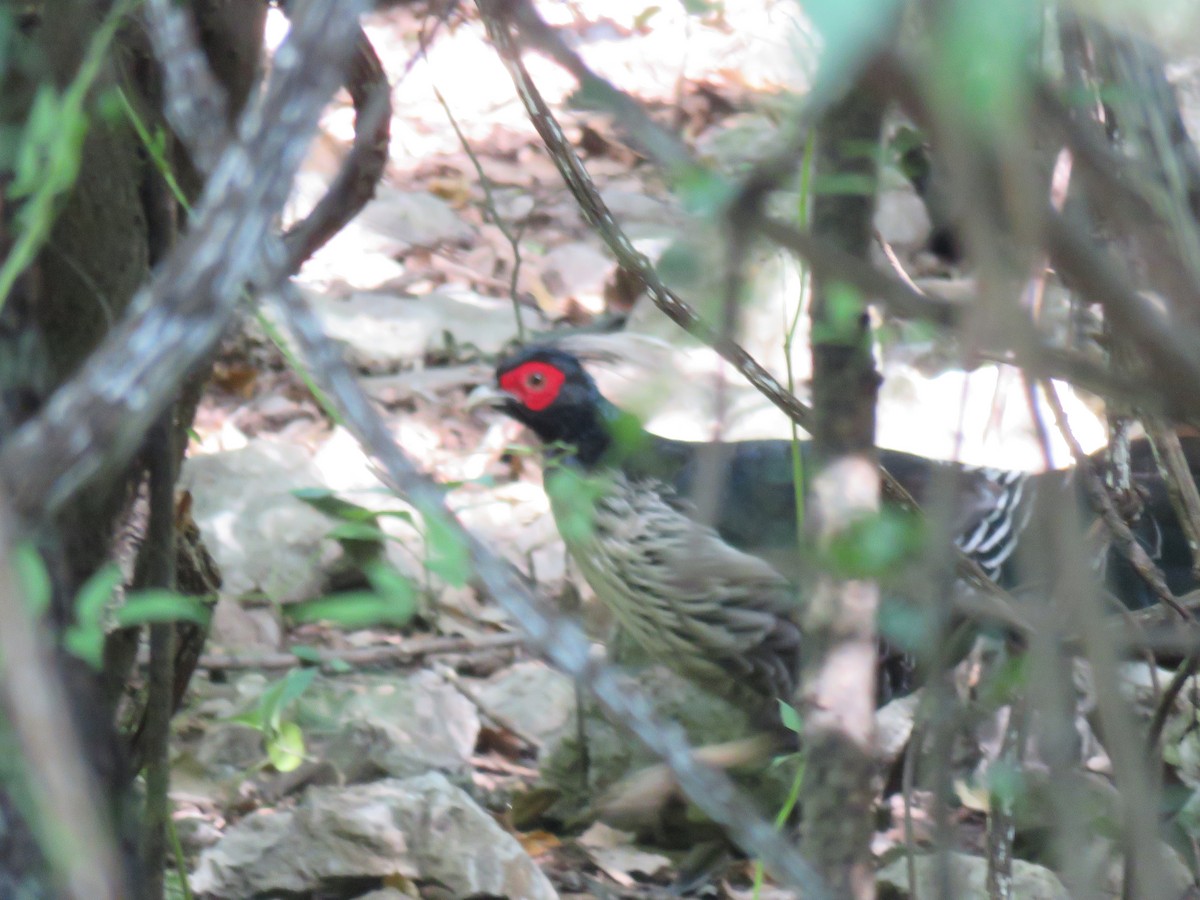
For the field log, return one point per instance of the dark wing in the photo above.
(985, 510)
(745, 491)
(754, 508)
(1156, 527)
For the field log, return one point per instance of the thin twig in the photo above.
(908, 776)
(331, 661)
(1124, 538)
(1167, 700)
(471, 695)
(1000, 825)
(1166, 342)
(493, 213)
(151, 743)
(363, 167)
(1181, 484)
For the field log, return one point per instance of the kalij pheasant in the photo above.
(704, 579)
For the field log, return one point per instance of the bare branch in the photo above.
(1126, 542)
(195, 102)
(80, 843)
(364, 165)
(389, 655)
(97, 421)
(839, 664)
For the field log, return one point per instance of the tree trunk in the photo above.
(116, 220)
(838, 681)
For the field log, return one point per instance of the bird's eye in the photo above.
(535, 380)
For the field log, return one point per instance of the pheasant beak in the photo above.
(490, 396)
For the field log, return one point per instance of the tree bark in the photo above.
(838, 681)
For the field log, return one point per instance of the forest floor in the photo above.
(415, 761)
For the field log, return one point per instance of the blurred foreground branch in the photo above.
(68, 805)
(98, 420)
(838, 669)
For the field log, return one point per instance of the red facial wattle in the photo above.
(534, 384)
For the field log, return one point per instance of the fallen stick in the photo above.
(410, 651)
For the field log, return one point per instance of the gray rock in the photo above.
(626, 203)
(236, 629)
(578, 270)
(397, 220)
(422, 829)
(537, 699)
(614, 773)
(893, 728)
(1172, 877)
(399, 726)
(264, 539)
(229, 748)
(969, 877)
(387, 332)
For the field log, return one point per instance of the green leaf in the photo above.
(354, 609)
(790, 717)
(841, 322)
(392, 602)
(159, 605)
(306, 653)
(50, 152)
(1188, 816)
(390, 584)
(86, 642)
(96, 594)
(573, 497)
(704, 193)
(357, 531)
(903, 624)
(1108, 827)
(904, 140)
(876, 545)
(981, 62)
(314, 495)
(595, 94)
(1005, 783)
(295, 683)
(402, 514)
(251, 717)
(43, 112)
(329, 503)
(681, 265)
(268, 706)
(281, 695)
(109, 105)
(849, 30)
(285, 747)
(1006, 681)
(32, 577)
